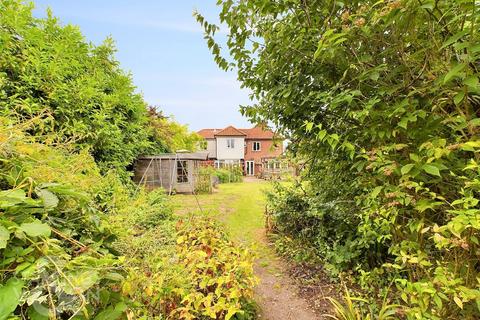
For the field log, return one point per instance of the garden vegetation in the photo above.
(77, 240)
(381, 99)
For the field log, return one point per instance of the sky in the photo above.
(162, 45)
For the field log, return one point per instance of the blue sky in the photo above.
(162, 45)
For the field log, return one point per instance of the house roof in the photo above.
(230, 131)
(208, 133)
(257, 132)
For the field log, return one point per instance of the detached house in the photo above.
(254, 149)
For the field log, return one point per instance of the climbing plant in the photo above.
(381, 98)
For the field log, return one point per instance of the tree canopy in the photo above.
(76, 91)
(382, 99)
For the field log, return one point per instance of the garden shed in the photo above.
(175, 172)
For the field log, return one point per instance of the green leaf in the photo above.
(474, 122)
(376, 191)
(471, 145)
(36, 229)
(321, 134)
(472, 82)
(454, 38)
(403, 123)
(428, 5)
(453, 72)
(10, 198)
(458, 302)
(425, 204)
(10, 295)
(406, 168)
(431, 169)
(438, 301)
(4, 236)
(459, 98)
(81, 281)
(37, 311)
(112, 313)
(50, 200)
(308, 126)
(232, 310)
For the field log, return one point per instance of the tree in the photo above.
(49, 72)
(383, 96)
(167, 135)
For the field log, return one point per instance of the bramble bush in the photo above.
(381, 99)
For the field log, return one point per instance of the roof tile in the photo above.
(253, 133)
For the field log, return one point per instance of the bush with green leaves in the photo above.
(382, 100)
(229, 175)
(182, 268)
(328, 229)
(55, 242)
(48, 70)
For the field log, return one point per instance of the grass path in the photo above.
(241, 207)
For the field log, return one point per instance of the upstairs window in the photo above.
(256, 146)
(231, 143)
(182, 171)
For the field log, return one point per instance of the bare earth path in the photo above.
(240, 206)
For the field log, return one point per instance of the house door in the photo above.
(250, 168)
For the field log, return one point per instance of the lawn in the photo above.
(240, 206)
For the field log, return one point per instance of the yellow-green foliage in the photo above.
(202, 275)
(222, 272)
(54, 240)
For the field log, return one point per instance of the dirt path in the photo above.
(241, 207)
(277, 294)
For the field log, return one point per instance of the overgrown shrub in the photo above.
(327, 229)
(201, 275)
(229, 175)
(381, 98)
(54, 241)
(49, 70)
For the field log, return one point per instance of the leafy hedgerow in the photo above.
(381, 99)
(55, 255)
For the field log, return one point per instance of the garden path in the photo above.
(240, 206)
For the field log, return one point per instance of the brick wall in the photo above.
(266, 150)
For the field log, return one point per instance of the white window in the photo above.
(231, 143)
(256, 145)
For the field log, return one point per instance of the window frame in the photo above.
(182, 176)
(230, 143)
(259, 146)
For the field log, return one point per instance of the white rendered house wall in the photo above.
(230, 148)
